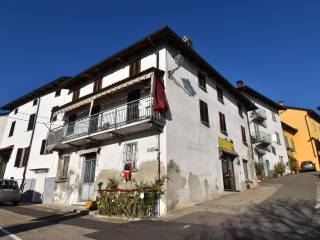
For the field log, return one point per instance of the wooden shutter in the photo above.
(25, 156)
(18, 157)
(97, 85)
(13, 124)
(43, 146)
(223, 127)
(65, 167)
(31, 122)
(135, 67)
(244, 137)
(76, 94)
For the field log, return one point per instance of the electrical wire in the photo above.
(26, 120)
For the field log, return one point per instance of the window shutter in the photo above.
(31, 122)
(66, 160)
(43, 146)
(25, 156)
(13, 124)
(18, 157)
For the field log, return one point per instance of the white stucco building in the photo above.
(266, 129)
(106, 115)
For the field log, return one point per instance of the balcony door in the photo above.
(94, 120)
(89, 170)
(71, 123)
(133, 105)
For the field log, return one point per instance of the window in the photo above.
(240, 110)
(274, 117)
(244, 137)
(204, 117)
(76, 94)
(97, 85)
(16, 110)
(315, 127)
(135, 67)
(58, 93)
(43, 147)
(202, 82)
(63, 166)
(223, 126)
(35, 102)
(31, 123)
(131, 154)
(245, 169)
(281, 159)
(278, 138)
(273, 149)
(293, 145)
(22, 157)
(220, 94)
(13, 124)
(53, 117)
(286, 141)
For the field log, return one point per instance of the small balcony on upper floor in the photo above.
(258, 115)
(116, 114)
(262, 139)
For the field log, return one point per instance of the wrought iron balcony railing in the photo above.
(127, 114)
(262, 137)
(259, 115)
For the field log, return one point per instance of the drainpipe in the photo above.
(251, 145)
(305, 118)
(30, 146)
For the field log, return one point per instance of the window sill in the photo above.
(224, 133)
(221, 100)
(245, 143)
(61, 180)
(203, 88)
(206, 124)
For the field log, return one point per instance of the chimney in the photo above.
(187, 41)
(240, 84)
(281, 103)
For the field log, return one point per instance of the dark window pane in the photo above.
(31, 122)
(13, 124)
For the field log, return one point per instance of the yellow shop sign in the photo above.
(226, 144)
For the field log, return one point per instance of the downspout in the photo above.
(251, 145)
(310, 138)
(30, 146)
(158, 134)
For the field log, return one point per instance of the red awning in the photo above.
(160, 103)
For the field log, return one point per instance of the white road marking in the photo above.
(186, 226)
(9, 234)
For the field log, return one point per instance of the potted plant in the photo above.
(293, 165)
(279, 169)
(259, 170)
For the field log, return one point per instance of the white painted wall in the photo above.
(194, 146)
(3, 123)
(271, 127)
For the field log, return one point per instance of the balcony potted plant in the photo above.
(279, 169)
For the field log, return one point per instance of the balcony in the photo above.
(258, 115)
(262, 138)
(132, 117)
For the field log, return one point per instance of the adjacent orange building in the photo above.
(307, 137)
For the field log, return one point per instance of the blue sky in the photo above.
(272, 45)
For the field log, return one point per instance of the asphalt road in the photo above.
(289, 213)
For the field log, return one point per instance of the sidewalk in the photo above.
(231, 203)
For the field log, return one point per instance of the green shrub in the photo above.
(140, 202)
(293, 164)
(279, 168)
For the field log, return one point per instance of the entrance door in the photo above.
(133, 105)
(94, 121)
(88, 176)
(228, 173)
